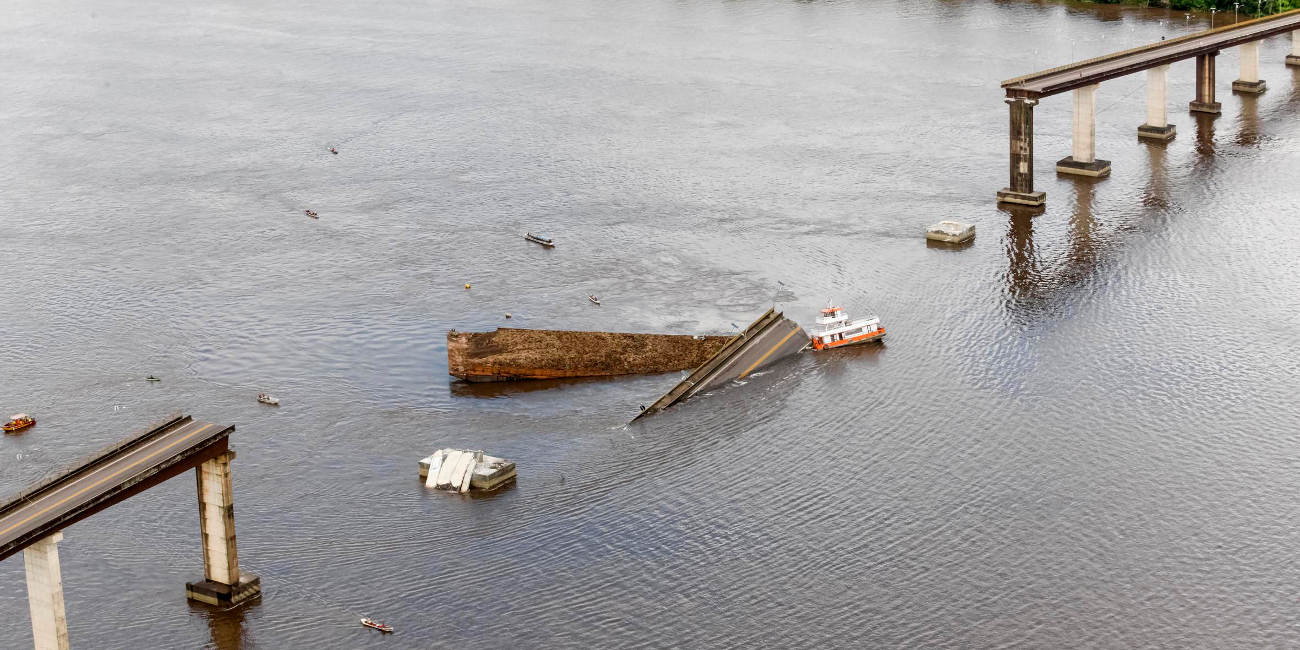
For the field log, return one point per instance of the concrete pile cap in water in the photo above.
(511, 354)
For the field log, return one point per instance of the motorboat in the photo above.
(373, 624)
(18, 421)
(836, 330)
(310, 214)
(267, 399)
(592, 297)
(152, 378)
(544, 241)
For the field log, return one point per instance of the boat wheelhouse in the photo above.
(834, 329)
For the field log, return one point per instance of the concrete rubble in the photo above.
(461, 470)
(953, 232)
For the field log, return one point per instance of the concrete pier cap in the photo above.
(1157, 126)
(1293, 58)
(1082, 160)
(1249, 81)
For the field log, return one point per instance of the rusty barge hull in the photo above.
(511, 354)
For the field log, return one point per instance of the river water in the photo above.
(1081, 431)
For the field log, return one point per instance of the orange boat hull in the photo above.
(14, 426)
(864, 338)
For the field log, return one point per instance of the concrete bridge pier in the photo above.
(45, 594)
(1294, 57)
(1204, 102)
(1157, 126)
(1249, 81)
(1021, 189)
(1083, 155)
(223, 583)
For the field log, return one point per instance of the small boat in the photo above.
(333, 150)
(18, 421)
(539, 240)
(592, 297)
(310, 214)
(836, 330)
(267, 399)
(152, 378)
(371, 623)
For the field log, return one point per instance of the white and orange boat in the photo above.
(19, 421)
(835, 330)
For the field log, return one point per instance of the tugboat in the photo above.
(539, 240)
(836, 330)
(371, 623)
(592, 297)
(18, 421)
(267, 399)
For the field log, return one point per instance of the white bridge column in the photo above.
(1294, 57)
(45, 594)
(1157, 126)
(1249, 81)
(223, 582)
(1083, 158)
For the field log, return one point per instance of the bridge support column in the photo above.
(1249, 81)
(1022, 155)
(1294, 57)
(45, 594)
(1204, 102)
(223, 583)
(1083, 156)
(1157, 126)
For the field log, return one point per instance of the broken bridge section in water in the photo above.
(767, 340)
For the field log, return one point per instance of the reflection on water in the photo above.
(1155, 193)
(1247, 120)
(1205, 148)
(225, 625)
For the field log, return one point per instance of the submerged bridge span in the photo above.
(1023, 93)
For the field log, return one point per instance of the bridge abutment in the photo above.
(1157, 126)
(1249, 81)
(1204, 102)
(1021, 189)
(1294, 57)
(45, 594)
(223, 583)
(1082, 160)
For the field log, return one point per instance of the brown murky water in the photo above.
(1080, 433)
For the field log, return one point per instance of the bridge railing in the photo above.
(92, 460)
(1149, 47)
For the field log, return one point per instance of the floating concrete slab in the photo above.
(484, 472)
(767, 340)
(953, 232)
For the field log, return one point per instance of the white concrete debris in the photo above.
(461, 470)
(950, 231)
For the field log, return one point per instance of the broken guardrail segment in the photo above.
(767, 340)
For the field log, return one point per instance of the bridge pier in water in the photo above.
(1294, 57)
(45, 594)
(1021, 189)
(1204, 102)
(1157, 126)
(223, 583)
(1082, 160)
(1249, 81)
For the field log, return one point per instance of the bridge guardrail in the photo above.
(92, 460)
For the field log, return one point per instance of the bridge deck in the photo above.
(157, 456)
(1086, 73)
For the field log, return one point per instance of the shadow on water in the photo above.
(473, 495)
(949, 246)
(500, 389)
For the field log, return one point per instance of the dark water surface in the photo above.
(1081, 432)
